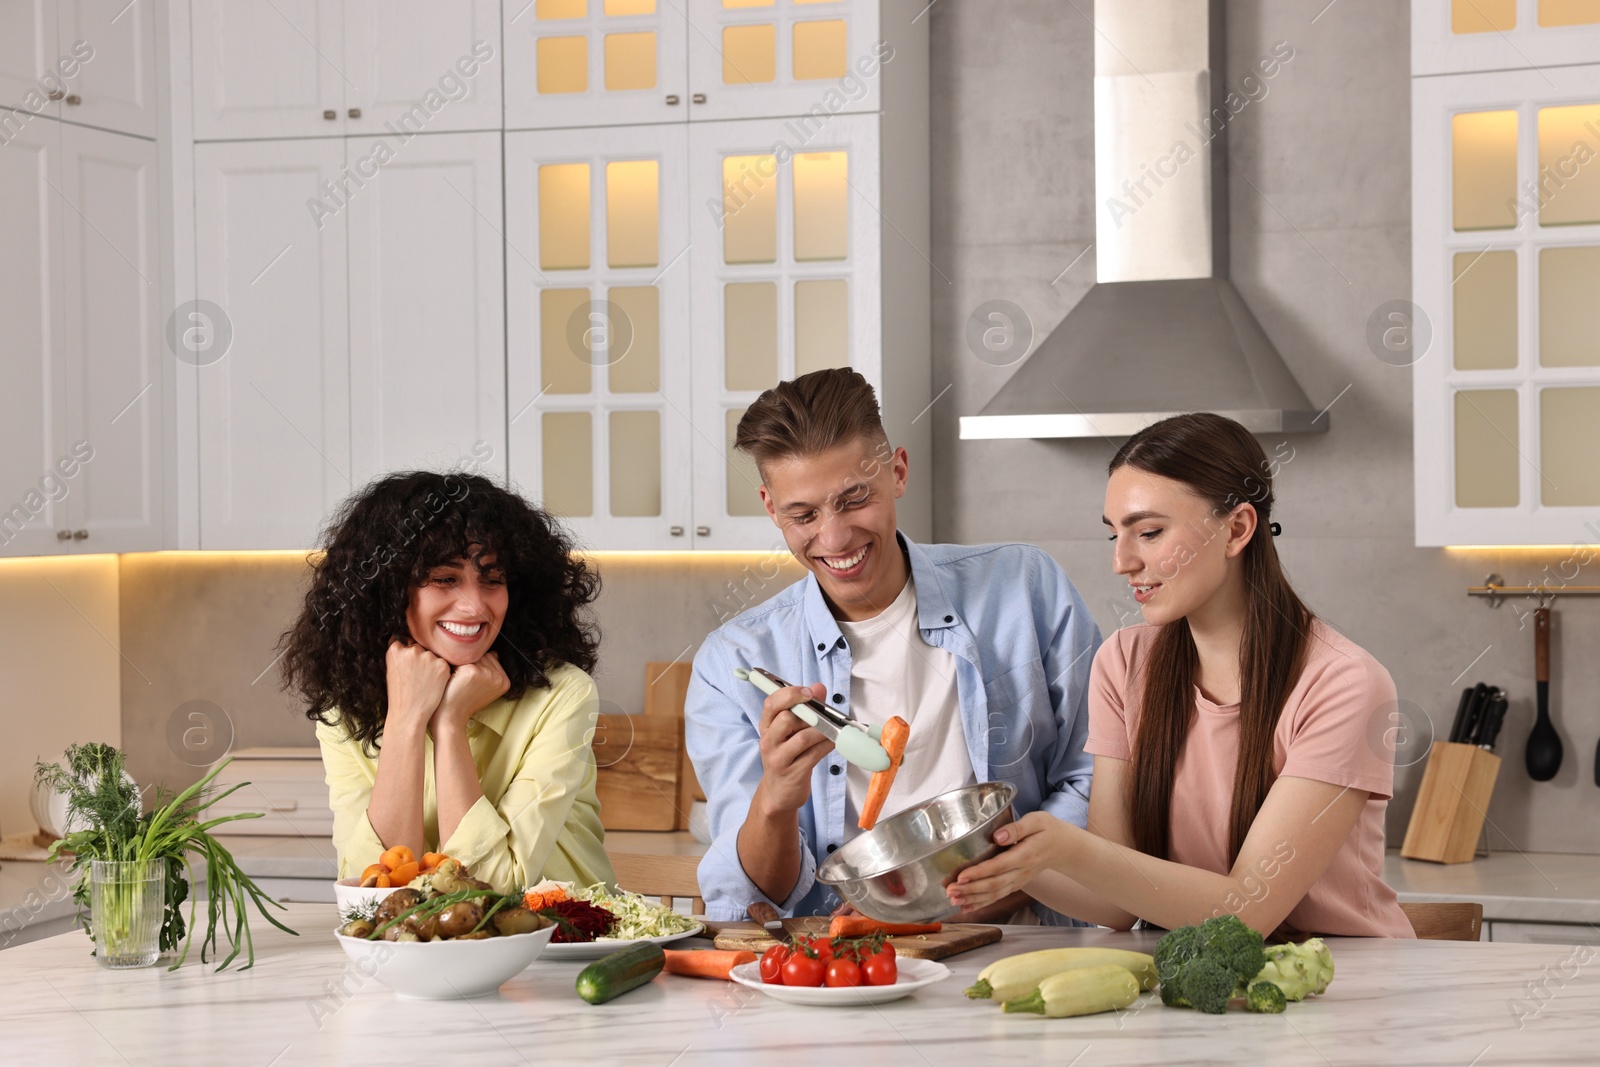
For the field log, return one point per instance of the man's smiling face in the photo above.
(837, 512)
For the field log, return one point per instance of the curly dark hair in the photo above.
(383, 542)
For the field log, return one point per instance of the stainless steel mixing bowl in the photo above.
(898, 870)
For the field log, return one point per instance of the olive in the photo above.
(459, 919)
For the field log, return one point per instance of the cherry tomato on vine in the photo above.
(842, 972)
(803, 970)
(880, 969)
(772, 962)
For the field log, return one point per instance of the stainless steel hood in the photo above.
(1162, 331)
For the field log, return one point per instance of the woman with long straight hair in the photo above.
(1240, 744)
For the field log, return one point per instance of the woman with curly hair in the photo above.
(444, 652)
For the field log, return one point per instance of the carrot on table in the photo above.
(861, 926)
(893, 739)
(706, 962)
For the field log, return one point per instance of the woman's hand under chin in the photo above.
(416, 681)
(1036, 842)
(472, 687)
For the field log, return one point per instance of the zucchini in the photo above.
(627, 968)
(1085, 991)
(1018, 975)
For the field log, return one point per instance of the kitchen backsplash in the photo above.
(59, 659)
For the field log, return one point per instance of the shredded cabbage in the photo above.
(637, 916)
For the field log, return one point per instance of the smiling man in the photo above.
(984, 650)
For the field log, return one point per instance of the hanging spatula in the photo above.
(1543, 754)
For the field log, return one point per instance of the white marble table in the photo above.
(1438, 1003)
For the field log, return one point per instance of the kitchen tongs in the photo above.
(856, 742)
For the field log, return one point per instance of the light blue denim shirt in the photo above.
(1023, 641)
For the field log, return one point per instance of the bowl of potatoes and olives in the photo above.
(444, 937)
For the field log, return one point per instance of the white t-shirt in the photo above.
(893, 671)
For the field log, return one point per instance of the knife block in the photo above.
(1452, 803)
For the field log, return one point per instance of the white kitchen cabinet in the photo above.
(427, 324)
(621, 62)
(112, 362)
(416, 65)
(31, 291)
(755, 59)
(274, 409)
(595, 63)
(325, 68)
(1454, 36)
(28, 58)
(79, 262)
(115, 89)
(805, 249)
(268, 68)
(598, 347)
(786, 280)
(1505, 270)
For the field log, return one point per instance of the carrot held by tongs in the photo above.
(893, 739)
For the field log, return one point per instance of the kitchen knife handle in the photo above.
(1461, 715)
(1541, 644)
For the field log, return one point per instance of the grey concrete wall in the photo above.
(1319, 192)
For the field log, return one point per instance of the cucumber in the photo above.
(1017, 975)
(627, 968)
(1086, 991)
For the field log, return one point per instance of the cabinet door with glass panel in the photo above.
(598, 276)
(786, 281)
(1506, 267)
(594, 63)
(1454, 36)
(758, 58)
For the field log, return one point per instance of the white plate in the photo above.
(605, 946)
(913, 975)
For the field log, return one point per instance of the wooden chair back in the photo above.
(665, 687)
(664, 877)
(1439, 921)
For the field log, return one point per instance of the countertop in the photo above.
(1549, 887)
(1444, 1003)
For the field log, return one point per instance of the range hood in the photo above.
(1162, 331)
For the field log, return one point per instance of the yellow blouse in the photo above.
(538, 817)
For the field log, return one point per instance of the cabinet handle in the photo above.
(672, 99)
(74, 99)
(677, 531)
(63, 535)
(330, 114)
(58, 95)
(80, 535)
(355, 112)
(702, 531)
(698, 98)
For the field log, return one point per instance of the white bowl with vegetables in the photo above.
(449, 969)
(447, 936)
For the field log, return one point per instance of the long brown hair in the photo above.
(1223, 462)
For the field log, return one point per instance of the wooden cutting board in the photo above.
(952, 940)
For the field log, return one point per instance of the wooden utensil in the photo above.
(1543, 754)
(952, 940)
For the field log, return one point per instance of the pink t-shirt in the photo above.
(1331, 730)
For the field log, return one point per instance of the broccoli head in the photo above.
(1201, 966)
(1298, 970)
(1266, 998)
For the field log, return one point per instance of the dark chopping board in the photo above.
(952, 940)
